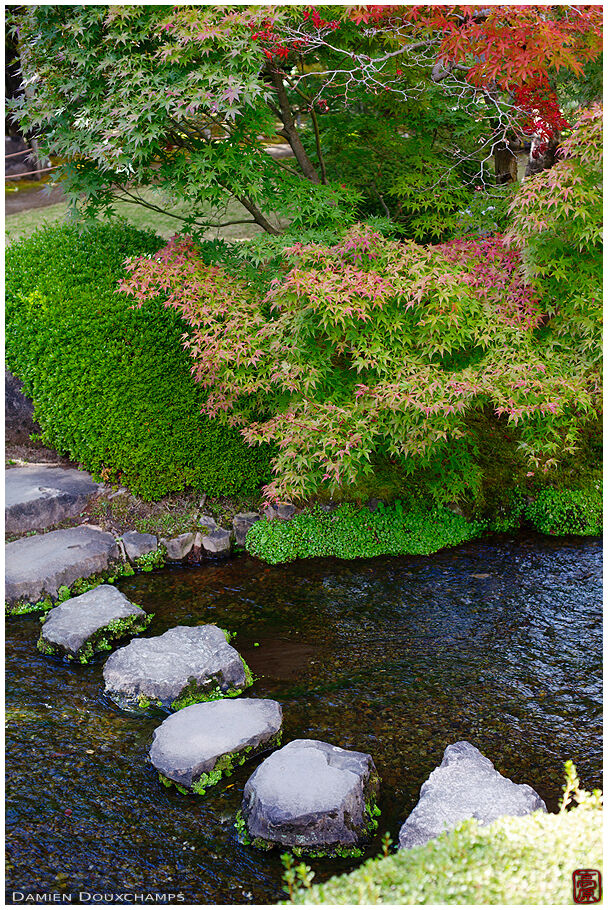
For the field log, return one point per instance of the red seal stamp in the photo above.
(587, 886)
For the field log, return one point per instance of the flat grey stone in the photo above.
(37, 497)
(310, 794)
(270, 512)
(40, 565)
(161, 669)
(178, 547)
(241, 524)
(465, 785)
(137, 545)
(192, 741)
(76, 621)
(217, 543)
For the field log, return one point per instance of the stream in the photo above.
(496, 641)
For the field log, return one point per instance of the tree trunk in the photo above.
(505, 162)
(290, 131)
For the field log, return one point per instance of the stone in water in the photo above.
(85, 625)
(185, 665)
(465, 785)
(197, 746)
(311, 795)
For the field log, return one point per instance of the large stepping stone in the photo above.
(465, 785)
(38, 496)
(199, 745)
(85, 625)
(182, 666)
(36, 567)
(312, 796)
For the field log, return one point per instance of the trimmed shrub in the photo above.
(112, 385)
(350, 533)
(527, 860)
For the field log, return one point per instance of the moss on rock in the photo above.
(103, 638)
(228, 763)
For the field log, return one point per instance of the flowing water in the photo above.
(497, 642)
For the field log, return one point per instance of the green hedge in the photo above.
(348, 532)
(527, 860)
(111, 384)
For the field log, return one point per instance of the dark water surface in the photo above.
(497, 642)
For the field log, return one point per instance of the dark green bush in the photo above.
(112, 385)
(567, 511)
(349, 533)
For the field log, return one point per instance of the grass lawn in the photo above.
(22, 224)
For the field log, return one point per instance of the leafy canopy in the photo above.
(177, 98)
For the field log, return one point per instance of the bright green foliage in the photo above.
(567, 511)
(526, 860)
(153, 560)
(573, 792)
(193, 693)
(295, 877)
(111, 385)
(349, 533)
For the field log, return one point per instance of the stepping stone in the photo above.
(199, 745)
(465, 785)
(208, 523)
(38, 497)
(38, 566)
(311, 795)
(85, 625)
(185, 665)
(178, 547)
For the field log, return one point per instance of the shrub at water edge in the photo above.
(527, 860)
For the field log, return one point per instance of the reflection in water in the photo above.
(495, 642)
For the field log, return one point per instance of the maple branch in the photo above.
(134, 199)
(280, 164)
(254, 210)
(315, 126)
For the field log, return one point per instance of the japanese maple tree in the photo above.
(374, 348)
(175, 99)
